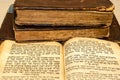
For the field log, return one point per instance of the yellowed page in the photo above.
(91, 59)
(31, 61)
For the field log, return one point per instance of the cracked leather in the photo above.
(89, 5)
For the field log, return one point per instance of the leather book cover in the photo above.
(63, 12)
(87, 5)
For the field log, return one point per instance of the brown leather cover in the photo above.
(90, 5)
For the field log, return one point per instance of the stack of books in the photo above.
(61, 19)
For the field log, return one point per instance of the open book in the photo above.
(77, 59)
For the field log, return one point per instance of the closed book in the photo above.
(63, 12)
(31, 33)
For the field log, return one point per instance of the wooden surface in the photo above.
(6, 31)
(114, 30)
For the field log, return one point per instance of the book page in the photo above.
(91, 59)
(31, 61)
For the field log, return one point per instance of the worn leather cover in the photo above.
(89, 5)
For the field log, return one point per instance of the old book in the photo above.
(31, 33)
(63, 12)
(6, 31)
(77, 59)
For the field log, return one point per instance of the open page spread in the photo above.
(31, 61)
(78, 59)
(91, 59)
